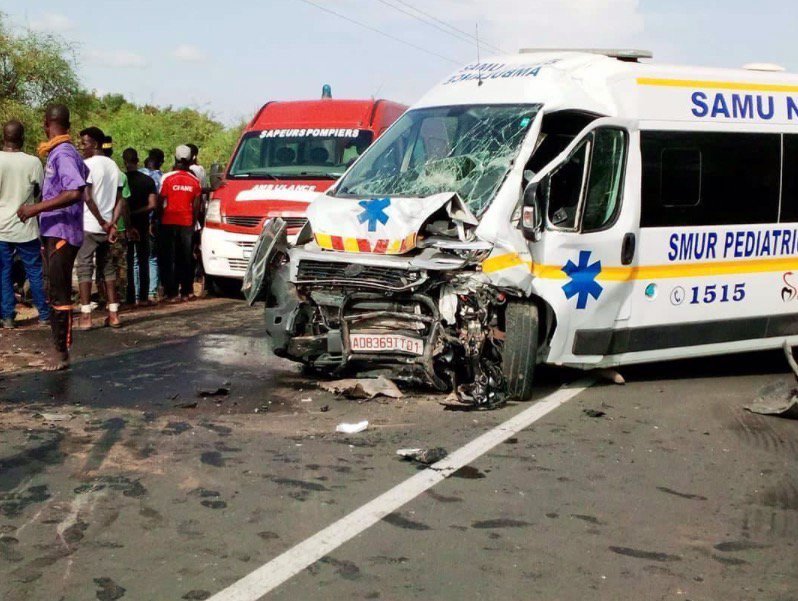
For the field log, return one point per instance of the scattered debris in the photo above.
(425, 456)
(191, 404)
(363, 388)
(262, 409)
(54, 417)
(594, 412)
(780, 398)
(772, 401)
(213, 392)
(306, 400)
(324, 408)
(352, 428)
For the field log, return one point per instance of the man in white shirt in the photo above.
(104, 201)
(196, 168)
(20, 184)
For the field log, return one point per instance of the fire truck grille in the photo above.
(253, 222)
(244, 221)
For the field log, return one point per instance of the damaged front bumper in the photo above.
(427, 319)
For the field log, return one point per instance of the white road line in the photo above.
(283, 567)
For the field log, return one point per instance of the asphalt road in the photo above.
(119, 481)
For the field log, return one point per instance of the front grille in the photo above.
(243, 221)
(246, 245)
(238, 264)
(252, 221)
(294, 222)
(369, 276)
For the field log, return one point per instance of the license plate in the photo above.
(388, 343)
(247, 253)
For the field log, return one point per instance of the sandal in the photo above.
(108, 324)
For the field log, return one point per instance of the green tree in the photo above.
(35, 69)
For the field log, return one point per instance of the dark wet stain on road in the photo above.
(639, 554)
(386, 560)
(213, 458)
(74, 534)
(196, 595)
(443, 498)
(300, 484)
(683, 495)
(398, 520)
(729, 561)
(108, 589)
(204, 493)
(500, 523)
(739, 545)
(9, 550)
(13, 503)
(345, 569)
(268, 535)
(467, 472)
(218, 429)
(44, 451)
(113, 432)
(153, 377)
(176, 428)
(587, 518)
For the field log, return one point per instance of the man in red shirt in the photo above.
(178, 209)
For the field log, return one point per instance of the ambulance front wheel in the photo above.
(519, 355)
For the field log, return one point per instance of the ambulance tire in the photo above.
(520, 352)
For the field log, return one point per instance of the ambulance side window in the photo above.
(565, 188)
(789, 198)
(709, 178)
(605, 182)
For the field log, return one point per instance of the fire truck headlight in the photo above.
(214, 212)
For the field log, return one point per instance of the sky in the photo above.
(228, 58)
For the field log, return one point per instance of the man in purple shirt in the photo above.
(60, 223)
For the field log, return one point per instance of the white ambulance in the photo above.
(579, 208)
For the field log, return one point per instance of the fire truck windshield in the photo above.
(298, 153)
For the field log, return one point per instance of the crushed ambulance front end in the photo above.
(409, 303)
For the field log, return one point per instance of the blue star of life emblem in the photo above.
(583, 279)
(374, 211)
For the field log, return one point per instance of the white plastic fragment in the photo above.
(56, 417)
(345, 428)
(363, 388)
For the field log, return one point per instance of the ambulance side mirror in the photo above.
(531, 213)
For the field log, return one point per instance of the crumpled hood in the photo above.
(382, 225)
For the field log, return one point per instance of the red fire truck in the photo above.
(288, 154)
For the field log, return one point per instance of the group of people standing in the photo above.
(81, 211)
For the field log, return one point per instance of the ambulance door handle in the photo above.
(628, 249)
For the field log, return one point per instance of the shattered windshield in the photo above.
(290, 153)
(463, 149)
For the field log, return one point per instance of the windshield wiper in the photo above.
(264, 175)
(328, 175)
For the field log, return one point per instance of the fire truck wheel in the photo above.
(223, 287)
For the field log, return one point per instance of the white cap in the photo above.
(182, 152)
